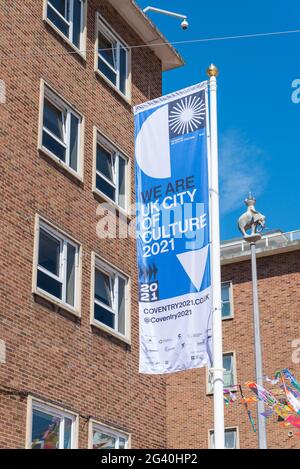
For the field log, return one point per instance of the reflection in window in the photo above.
(110, 298)
(57, 265)
(109, 440)
(61, 131)
(68, 17)
(50, 428)
(111, 174)
(230, 438)
(226, 300)
(113, 58)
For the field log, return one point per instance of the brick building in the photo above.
(189, 398)
(68, 311)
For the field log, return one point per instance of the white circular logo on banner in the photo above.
(187, 115)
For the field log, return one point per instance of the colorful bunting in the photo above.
(286, 405)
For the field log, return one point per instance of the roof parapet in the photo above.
(274, 242)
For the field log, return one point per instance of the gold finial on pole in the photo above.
(212, 71)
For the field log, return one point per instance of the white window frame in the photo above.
(61, 104)
(117, 153)
(237, 436)
(209, 375)
(230, 300)
(109, 431)
(108, 269)
(112, 36)
(55, 411)
(64, 240)
(81, 50)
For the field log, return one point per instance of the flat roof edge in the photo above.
(149, 33)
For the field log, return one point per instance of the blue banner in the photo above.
(173, 232)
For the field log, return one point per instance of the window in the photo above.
(111, 172)
(68, 17)
(229, 372)
(51, 428)
(110, 298)
(231, 438)
(227, 303)
(112, 57)
(57, 266)
(228, 365)
(106, 438)
(61, 132)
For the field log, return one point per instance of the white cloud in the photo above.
(242, 169)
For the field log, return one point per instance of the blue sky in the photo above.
(259, 138)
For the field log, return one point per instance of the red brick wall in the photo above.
(189, 409)
(48, 353)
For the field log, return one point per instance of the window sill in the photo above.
(81, 53)
(230, 388)
(61, 164)
(113, 204)
(127, 99)
(110, 331)
(227, 318)
(59, 305)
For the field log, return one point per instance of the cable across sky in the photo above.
(191, 41)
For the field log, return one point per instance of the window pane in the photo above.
(226, 312)
(107, 50)
(228, 379)
(45, 431)
(74, 142)
(103, 288)
(228, 374)
(122, 182)
(108, 72)
(59, 22)
(230, 439)
(49, 284)
(121, 305)
(49, 252)
(103, 441)
(225, 291)
(54, 120)
(122, 443)
(123, 69)
(104, 316)
(70, 290)
(54, 146)
(59, 5)
(77, 12)
(68, 434)
(227, 362)
(105, 163)
(105, 187)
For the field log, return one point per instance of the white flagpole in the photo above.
(218, 383)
